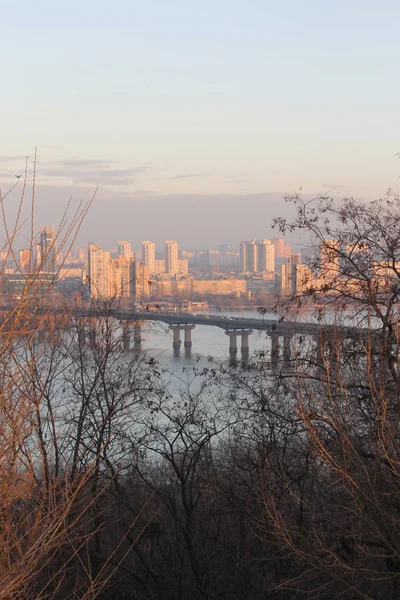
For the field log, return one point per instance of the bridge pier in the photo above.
(188, 335)
(232, 345)
(176, 330)
(327, 338)
(287, 338)
(245, 344)
(126, 336)
(92, 331)
(233, 348)
(274, 348)
(137, 335)
(319, 349)
(327, 348)
(335, 347)
(81, 335)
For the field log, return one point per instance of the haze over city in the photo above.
(214, 109)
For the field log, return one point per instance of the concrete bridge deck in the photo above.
(276, 329)
(281, 327)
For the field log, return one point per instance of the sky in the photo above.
(194, 119)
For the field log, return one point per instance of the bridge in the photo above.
(279, 331)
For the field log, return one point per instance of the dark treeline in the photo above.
(243, 484)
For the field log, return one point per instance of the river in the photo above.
(206, 341)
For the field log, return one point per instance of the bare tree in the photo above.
(341, 518)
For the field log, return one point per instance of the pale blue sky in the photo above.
(214, 97)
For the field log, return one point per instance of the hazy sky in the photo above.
(159, 101)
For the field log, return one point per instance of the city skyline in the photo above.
(148, 250)
(121, 272)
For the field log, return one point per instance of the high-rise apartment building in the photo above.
(124, 250)
(280, 281)
(282, 250)
(140, 284)
(38, 256)
(248, 257)
(47, 249)
(24, 265)
(183, 267)
(120, 277)
(171, 258)
(265, 256)
(80, 254)
(160, 267)
(303, 278)
(289, 270)
(99, 272)
(149, 256)
(257, 257)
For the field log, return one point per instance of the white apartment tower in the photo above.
(265, 256)
(120, 277)
(171, 257)
(124, 250)
(257, 257)
(289, 269)
(140, 285)
(248, 257)
(149, 256)
(99, 272)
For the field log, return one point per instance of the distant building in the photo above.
(99, 272)
(171, 258)
(183, 267)
(265, 256)
(282, 250)
(303, 279)
(120, 277)
(279, 282)
(288, 270)
(15, 285)
(188, 287)
(149, 256)
(140, 283)
(189, 254)
(70, 272)
(212, 260)
(329, 260)
(124, 250)
(160, 267)
(257, 256)
(38, 256)
(71, 280)
(108, 277)
(47, 249)
(24, 265)
(80, 254)
(248, 257)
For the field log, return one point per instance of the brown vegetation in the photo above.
(248, 483)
